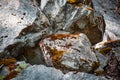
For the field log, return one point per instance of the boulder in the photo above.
(82, 76)
(15, 15)
(75, 16)
(69, 52)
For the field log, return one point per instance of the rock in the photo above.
(40, 72)
(75, 16)
(102, 59)
(69, 52)
(82, 76)
(14, 16)
(24, 33)
(112, 18)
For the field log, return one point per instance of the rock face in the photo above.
(15, 15)
(40, 72)
(111, 16)
(75, 18)
(68, 51)
(67, 31)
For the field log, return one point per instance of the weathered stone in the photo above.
(82, 76)
(112, 18)
(40, 72)
(76, 17)
(69, 52)
(15, 15)
(112, 51)
(102, 59)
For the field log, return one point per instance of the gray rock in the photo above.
(74, 18)
(22, 25)
(15, 15)
(112, 18)
(69, 51)
(82, 76)
(40, 72)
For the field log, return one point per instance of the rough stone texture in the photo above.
(112, 18)
(82, 76)
(69, 52)
(15, 15)
(22, 25)
(40, 72)
(75, 16)
(111, 50)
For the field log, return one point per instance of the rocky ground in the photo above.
(59, 40)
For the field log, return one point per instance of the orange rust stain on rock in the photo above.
(8, 61)
(61, 36)
(11, 75)
(57, 54)
(74, 1)
(89, 8)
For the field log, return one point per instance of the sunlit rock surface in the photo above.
(69, 52)
(15, 15)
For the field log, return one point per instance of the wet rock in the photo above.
(40, 72)
(82, 76)
(69, 52)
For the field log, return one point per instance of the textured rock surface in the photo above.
(15, 15)
(22, 25)
(112, 18)
(68, 51)
(82, 76)
(40, 72)
(75, 18)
